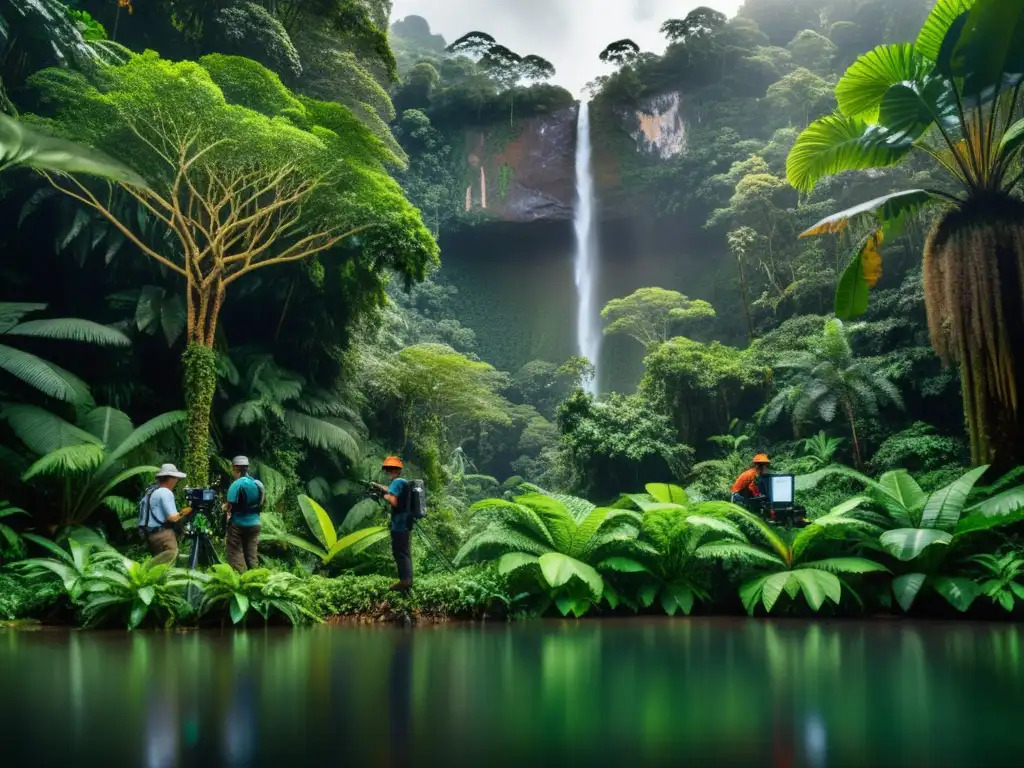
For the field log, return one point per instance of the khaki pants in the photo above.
(163, 543)
(241, 546)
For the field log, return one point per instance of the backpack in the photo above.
(144, 509)
(417, 501)
(243, 498)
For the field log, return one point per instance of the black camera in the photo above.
(204, 517)
(374, 491)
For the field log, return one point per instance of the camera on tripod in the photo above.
(203, 502)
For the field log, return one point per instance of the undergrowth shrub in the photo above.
(467, 593)
(20, 599)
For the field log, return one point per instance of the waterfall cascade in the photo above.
(588, 327)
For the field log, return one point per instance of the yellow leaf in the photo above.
(871, 259)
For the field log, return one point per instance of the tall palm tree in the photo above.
(41, 374)
(828, 379)
(955, 96)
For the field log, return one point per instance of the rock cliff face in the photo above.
(527, 174)
(530, 177)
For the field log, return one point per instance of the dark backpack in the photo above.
(243, 499)
(416, 504)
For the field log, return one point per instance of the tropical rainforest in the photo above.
(317, 235)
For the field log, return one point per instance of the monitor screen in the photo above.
(780, 489)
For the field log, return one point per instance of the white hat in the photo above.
(169, 470)
(240, 461)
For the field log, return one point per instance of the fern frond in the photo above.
(739, 553)
(492, 542)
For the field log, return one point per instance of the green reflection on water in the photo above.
(733, 691)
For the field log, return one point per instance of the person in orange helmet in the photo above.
(747, 485)
(397, 495)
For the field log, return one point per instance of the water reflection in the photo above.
(639, 692)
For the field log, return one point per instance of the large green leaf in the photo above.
(903, 488)
(110, 426)
(907, 587)
(667, 493)
(513, 561)
(1013, 139)
(677, 596)
(43, 432)
(847, 565)
(1001, 504)
(146, 432)
(559, 569)
(861, 90)
(933, 33)
(818, 585)
(989, 55)
(959, 592)
(623, 565)
(943, 508)
(882, 209)
(835, 143)
(852, 291)
(21, 144)
(975, 523)
(907, 543)
(356, 542)
(750, 593)
(740, 553)
(72, 329)
(39, 374)
(556, 518)
(66, 461)
(319, 522)
(11, 313)
(909, 109)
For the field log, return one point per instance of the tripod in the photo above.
(201, 555)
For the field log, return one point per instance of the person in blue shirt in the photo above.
(158, 514)
(395, 494)
(245, 497)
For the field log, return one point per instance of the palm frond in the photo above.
(68, 460)
(146, 432)
(38, 373)
(43, 432)
(322, 434)
(72, 329)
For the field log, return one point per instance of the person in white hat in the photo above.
(158, 514)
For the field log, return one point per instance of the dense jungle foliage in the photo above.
(157, 155)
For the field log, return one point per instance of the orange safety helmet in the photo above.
(392, 462)
(761, 458)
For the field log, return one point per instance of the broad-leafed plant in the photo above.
(260, 591)
(561, 540)
(954, 95)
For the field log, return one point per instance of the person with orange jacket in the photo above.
(747, 485)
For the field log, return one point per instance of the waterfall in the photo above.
(588, 330)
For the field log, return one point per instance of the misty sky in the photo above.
(569, 33)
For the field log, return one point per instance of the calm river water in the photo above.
(633, 692)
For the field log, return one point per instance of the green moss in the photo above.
(200, 386)
(505, 180)
(250, 84)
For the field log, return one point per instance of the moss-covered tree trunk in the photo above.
(205, 299)
(200, 385)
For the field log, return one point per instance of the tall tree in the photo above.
(236, 190)
(652, 315)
